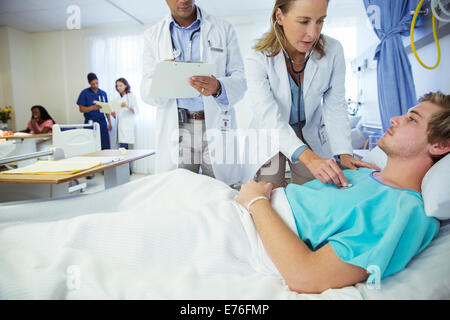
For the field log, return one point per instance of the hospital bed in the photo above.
(129, 242)
(72, 139)
(76, 139)
(24, 143)
(7, 148)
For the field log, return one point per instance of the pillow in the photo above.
(377, 157)
(435, 185)
(435, 189)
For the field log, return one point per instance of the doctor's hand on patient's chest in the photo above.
(324, 170)
(207, 86)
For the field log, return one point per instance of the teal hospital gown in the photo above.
(370, 225)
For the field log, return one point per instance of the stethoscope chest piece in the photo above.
(176, 53)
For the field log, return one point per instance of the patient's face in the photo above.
(407, 136)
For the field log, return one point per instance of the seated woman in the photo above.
(40, 122)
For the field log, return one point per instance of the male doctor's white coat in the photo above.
(218, 45)
(327, 128)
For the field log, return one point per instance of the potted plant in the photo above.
(5, 115)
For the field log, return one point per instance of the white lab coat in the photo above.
(127, 119)
(214, 33)
(327, 128)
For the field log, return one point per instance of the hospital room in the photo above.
(207, 150)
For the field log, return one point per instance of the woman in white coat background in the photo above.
(126, 118)
(176, 38)
(310, 137)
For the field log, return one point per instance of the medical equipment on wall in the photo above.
(434, 5)
(438, 3)
(291, 64)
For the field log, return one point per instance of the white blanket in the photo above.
(175, 235)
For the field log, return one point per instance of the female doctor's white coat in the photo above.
(218, 45)
(327, 128)
(127, 119)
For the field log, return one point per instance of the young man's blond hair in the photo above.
(439, 125)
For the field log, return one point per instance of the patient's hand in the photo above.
(251, 190)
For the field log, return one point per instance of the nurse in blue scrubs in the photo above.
(91, 111)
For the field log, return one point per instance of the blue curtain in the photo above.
(396, 91)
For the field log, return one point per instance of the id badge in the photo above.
(225, 121)
(323, 135)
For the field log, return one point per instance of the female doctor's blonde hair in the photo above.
(269, 42)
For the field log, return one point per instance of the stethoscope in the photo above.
(177, 52)
(291, 64)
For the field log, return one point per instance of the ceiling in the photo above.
(51, 15)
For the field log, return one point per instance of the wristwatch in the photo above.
(337, 158)
(219, 92)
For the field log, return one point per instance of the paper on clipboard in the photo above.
(108, 107)
(171, 78)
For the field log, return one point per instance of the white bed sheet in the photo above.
(134, 242)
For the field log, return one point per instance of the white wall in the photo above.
(22, 84)
(49, 68)
(432, 80)
(5, 72)
(49, 74)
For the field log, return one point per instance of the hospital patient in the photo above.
(173, 230)
(379, 223)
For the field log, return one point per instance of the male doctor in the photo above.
(196, 133)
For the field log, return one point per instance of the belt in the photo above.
(198, 115)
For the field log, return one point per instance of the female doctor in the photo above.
(296, 79)
(127, 114)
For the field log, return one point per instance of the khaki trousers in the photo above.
(194, 152)
(274, 170)
(299, 173)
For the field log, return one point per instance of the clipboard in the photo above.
(108, 107)
(171, 78)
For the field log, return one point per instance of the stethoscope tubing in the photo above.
(297, 73)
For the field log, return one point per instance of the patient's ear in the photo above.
(440, 148)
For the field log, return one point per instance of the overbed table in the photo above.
(35, 186)
(27, 144)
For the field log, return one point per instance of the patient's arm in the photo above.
(303, 270)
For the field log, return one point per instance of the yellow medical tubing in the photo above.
(413, 24)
